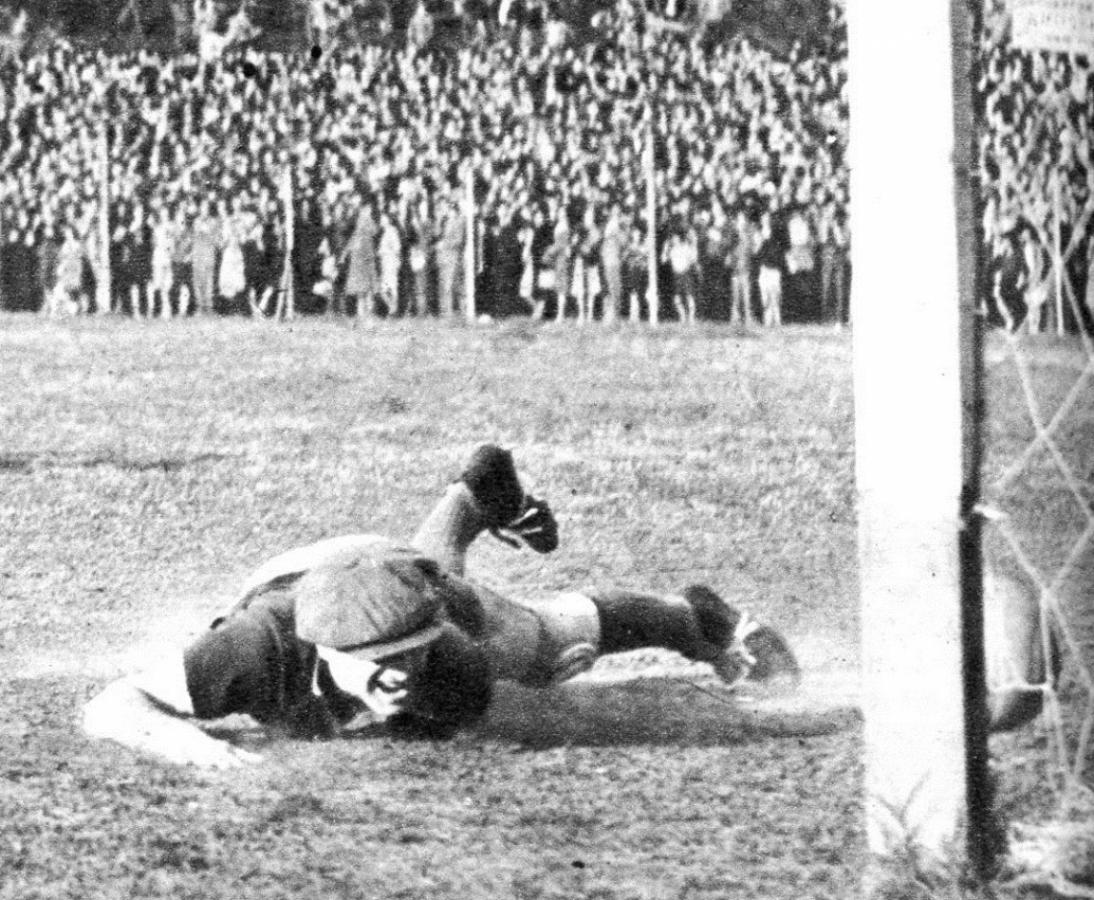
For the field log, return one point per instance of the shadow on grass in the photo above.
(16, 463)
(649, 711)
(637, 712)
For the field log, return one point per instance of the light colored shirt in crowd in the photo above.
(682, 254)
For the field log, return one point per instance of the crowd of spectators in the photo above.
(556, 135)
(1039, 185)
(379, 139)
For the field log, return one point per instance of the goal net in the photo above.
(920, 423)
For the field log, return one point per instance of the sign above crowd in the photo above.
(1062, 26)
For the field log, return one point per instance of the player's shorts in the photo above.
(538, 643)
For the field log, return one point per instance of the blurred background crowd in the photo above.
(1038, 178)
(352, 173)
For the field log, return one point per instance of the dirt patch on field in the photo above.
(651, 710)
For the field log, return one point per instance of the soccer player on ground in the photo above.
(360, 629)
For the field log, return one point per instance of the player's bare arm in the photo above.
(151, 711)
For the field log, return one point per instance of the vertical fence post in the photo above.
(104, 291)
(469, 249)
(288, 281)
(653, 294)
(910, 422)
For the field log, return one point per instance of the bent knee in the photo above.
(569, 640)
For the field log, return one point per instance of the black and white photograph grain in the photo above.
(546, 450)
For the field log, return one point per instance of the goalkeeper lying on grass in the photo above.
(360, 629)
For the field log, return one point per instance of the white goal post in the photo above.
(916, 441)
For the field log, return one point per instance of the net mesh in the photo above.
(1039, 496)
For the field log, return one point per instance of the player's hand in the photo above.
(237, 758)
(126, 713)
(536, 525)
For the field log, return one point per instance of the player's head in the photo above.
(507, 507)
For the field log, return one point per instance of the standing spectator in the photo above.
(507, 265)
(307, 236)
(270, 263)
(362, 280)
(206, 233)
(486, 267)
(391, 261)
(714, 249)
(232, 282)
(43, 268)
(450, 260)
(561, 257)
(49, 249)
(328, 274)
(834, 240)
(417, 239)
(120, 250)
(636, 273)
(741, 255)
(527, 288)
(140, 263)
(250, 231)
(68, 296)
(21, 267)
(164, 239)
(428, 232)
(612, 247)
(589, 252)
(182, 260)
(682, 255)
(1006, 277)
(95, 271)
(261, 295)
(339, 231)
(770, 258)
(1035, 280)
(86, 233)
(800, 257)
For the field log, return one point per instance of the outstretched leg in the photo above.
(699, 625)
(542, 643)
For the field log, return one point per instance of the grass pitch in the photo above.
(145, 468)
